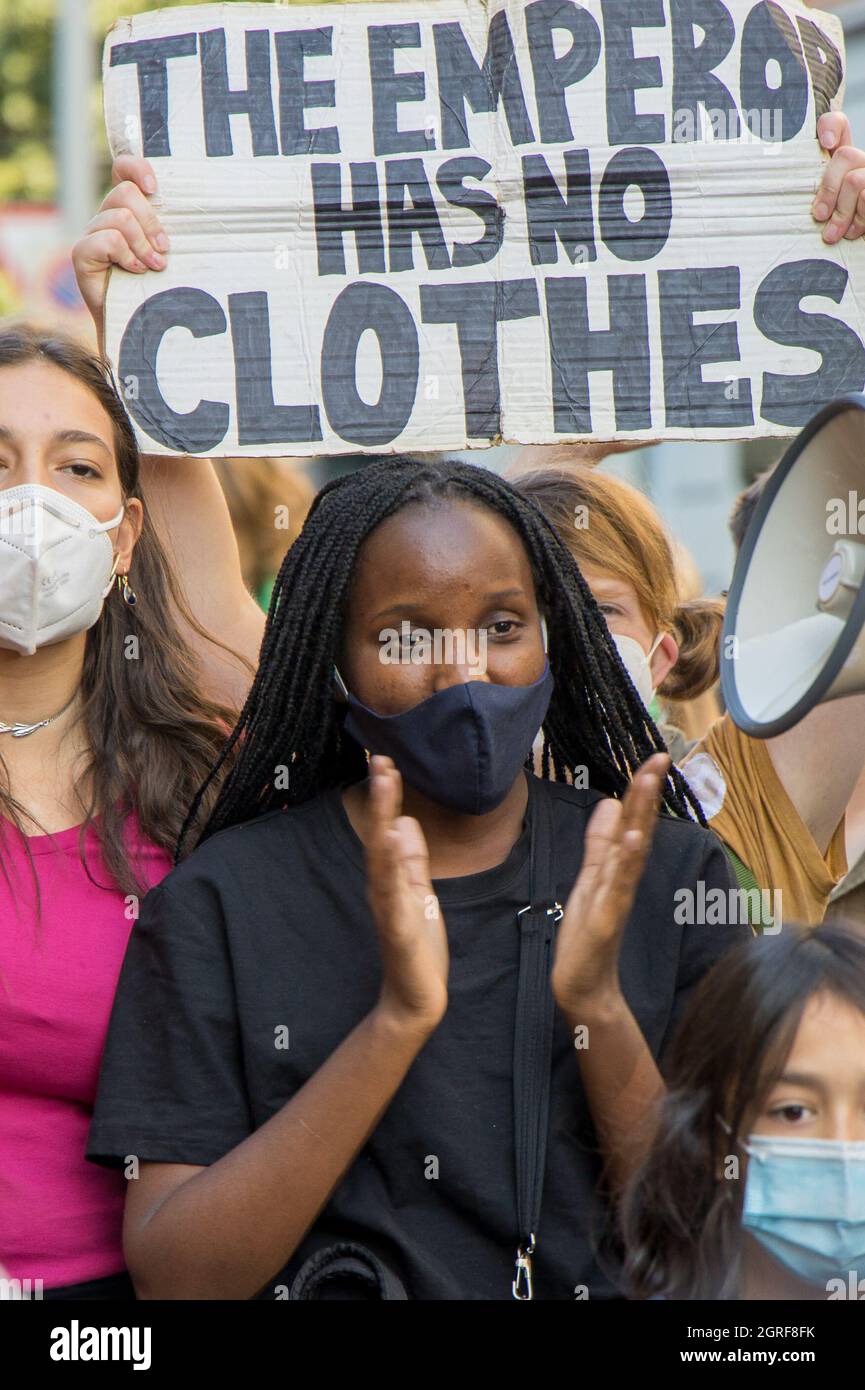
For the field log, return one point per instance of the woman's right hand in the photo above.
(408, 919)
(126, 231)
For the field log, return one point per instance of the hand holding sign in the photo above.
(125, 232)
(840, 200)
(502, 243)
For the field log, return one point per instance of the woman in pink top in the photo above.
(114, 701)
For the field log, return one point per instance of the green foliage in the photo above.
(27, 165)
(26, 162)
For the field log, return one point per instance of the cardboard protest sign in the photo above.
(441, 225)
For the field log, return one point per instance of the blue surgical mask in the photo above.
(462, 747)
(805, 1204)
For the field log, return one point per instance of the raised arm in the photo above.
(819, 762)
(184, 497)
(188, 508)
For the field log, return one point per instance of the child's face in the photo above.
(821, 1092)
(454, 567)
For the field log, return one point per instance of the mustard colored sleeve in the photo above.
(746, 805)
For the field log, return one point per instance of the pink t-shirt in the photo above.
(60, 1216)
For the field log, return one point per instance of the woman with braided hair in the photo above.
(617, 733)
(349, 1042)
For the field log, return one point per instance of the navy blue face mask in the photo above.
(462, 747)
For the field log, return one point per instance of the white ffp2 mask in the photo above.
(56, 567)
(637, 663)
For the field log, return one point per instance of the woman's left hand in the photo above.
(585, 975)
(840, 200)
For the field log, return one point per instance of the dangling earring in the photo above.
(129, 594)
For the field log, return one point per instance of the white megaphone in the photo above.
(793, 632)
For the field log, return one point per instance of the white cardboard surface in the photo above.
(725, 313)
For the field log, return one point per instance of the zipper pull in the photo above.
(522, 1287)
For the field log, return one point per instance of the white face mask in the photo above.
(637, 663)
(56, 567)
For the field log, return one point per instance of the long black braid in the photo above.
(290, 729)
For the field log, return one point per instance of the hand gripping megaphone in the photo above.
(793, 632)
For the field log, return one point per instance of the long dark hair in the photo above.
(680, 1216)
(151, 732)
(290, 720)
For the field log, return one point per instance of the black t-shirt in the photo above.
(266, 928)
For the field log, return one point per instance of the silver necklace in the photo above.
(19, 730)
